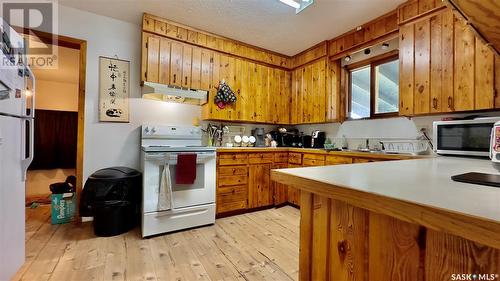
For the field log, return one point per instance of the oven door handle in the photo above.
(200, 157)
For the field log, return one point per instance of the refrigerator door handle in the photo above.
(32, 93)
(29, 144)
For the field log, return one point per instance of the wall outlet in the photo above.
(423, 129)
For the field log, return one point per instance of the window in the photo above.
(374, 89)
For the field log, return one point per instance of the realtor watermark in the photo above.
(474, 276)
(29, 34)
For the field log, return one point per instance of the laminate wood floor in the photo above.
(261, 245)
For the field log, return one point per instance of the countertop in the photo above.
(320, 151)
(418, 190)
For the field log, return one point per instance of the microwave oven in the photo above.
(463, 137)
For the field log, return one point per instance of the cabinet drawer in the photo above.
(233, 159)
(364, 160)
(314, 157)
(260, 158)
(281, 157)
(231, 198)
(232, 180)
(313, 162)
(232, 171)
(336, 160)
(295, 158)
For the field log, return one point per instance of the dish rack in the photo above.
(406, 146)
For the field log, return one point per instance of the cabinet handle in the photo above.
(450, 102)
(175, 77)
(185, 80)
(434, 103)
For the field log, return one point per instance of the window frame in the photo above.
(372, 63)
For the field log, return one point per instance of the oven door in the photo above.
(201, 192)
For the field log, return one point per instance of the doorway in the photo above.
(62, 95)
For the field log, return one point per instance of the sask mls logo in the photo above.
(474, 276)
(36, 21)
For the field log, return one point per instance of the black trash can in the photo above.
(113, 197)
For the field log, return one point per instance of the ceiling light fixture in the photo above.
(299, 6)
(291, 3)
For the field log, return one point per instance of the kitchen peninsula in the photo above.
(396, 220)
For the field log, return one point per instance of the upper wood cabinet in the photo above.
(262, 92)
(173, 63)
(309, 93)
(444, 67)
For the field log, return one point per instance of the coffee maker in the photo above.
(318, 139)
(259, 135)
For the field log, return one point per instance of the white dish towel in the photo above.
(165, 191)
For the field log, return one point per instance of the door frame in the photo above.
(81, 45)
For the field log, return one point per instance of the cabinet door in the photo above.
(187, 56)
(176, 64)
(280, 191)
(164, 69)
(318, 92)
(196, 69)
(484, 83)
(273, 96)
(422, 67)
(463, 98)
(259, 186)
(294, 193)
(406, 63)
(153, 52)
(206, 70)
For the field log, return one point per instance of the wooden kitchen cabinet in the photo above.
(262, 92)
(337, 160)
(294, 193)
(309, 97)
(444, 67)
(280, 191)
(177, 64)
(310, 160)
(259, 186)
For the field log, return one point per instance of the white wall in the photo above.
(112, 144)
(53, 95)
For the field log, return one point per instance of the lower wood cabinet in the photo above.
(231, 198)
(293, 193)
(244, 178)
(280, 191)
(259, 186)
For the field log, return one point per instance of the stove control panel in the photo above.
(161, 131)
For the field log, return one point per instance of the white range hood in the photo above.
(161, 92)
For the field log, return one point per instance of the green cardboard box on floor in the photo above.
(63, 207)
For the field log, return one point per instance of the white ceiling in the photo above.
(269, 24)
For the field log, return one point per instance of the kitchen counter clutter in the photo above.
(403, 210)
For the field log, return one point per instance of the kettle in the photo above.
(495, 145)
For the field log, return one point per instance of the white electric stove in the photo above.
(192, 204)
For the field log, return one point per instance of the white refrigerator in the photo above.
(17, 84)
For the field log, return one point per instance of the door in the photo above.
(259, 186)
(12, 192)
(175, 64)
(294, 193)
(280, 191)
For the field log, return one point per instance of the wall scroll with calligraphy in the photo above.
(114, 86)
